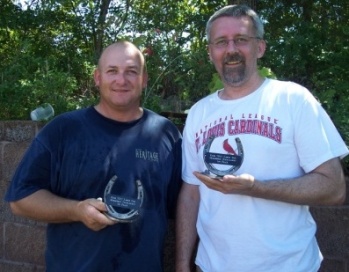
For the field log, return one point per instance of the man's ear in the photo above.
(145, 80)
(208, 53)
(96, 77)
(262, 46)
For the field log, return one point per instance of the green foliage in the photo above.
(42, 61)
(216, 83)
(152, 102)
(266, 72)
(173, 41)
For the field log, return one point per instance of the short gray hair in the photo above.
(236, 11)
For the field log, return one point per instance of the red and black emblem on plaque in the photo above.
(221, 164)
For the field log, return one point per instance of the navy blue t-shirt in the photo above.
(74, 156)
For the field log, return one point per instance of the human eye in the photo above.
(221, 43)
(112, 71)
(132, 72)
(241, 40)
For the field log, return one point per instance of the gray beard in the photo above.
(234, 76)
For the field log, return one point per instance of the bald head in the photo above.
(121, 47)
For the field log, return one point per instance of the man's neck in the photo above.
(120, 114)
(235, 92)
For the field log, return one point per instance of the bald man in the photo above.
(104, 178)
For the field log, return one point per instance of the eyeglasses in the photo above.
(238, 41)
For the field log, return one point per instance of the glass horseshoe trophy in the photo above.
(130, 205)
(228, 163)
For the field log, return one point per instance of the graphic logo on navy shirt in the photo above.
(147, 155)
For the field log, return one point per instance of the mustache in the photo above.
(233, 58)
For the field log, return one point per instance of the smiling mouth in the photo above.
(233, 62)
(119, 90)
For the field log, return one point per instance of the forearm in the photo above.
(311, 189)
(47, 207)
(323, 186)
(186, 234)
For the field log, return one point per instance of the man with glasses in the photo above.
(256, 154)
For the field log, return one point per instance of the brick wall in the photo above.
(22, 241)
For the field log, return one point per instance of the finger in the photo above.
(211, 183)
(100, 221)
(228, 178)
(202, 177)
(206, 179)
(98, 204)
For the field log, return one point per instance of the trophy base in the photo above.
(121, 220)
(213, 176)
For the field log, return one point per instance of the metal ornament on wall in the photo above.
(231, 159)
(132, 205)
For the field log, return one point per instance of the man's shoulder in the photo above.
(283, 84)
(67, 121)
(285, 88)
(158, 120)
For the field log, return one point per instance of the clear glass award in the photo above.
(121, 208)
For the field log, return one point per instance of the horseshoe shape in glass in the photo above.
(129, 216)
(212, 169)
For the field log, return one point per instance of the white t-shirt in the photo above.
(284, 133)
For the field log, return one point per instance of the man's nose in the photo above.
(231, 46)
(120, 78)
